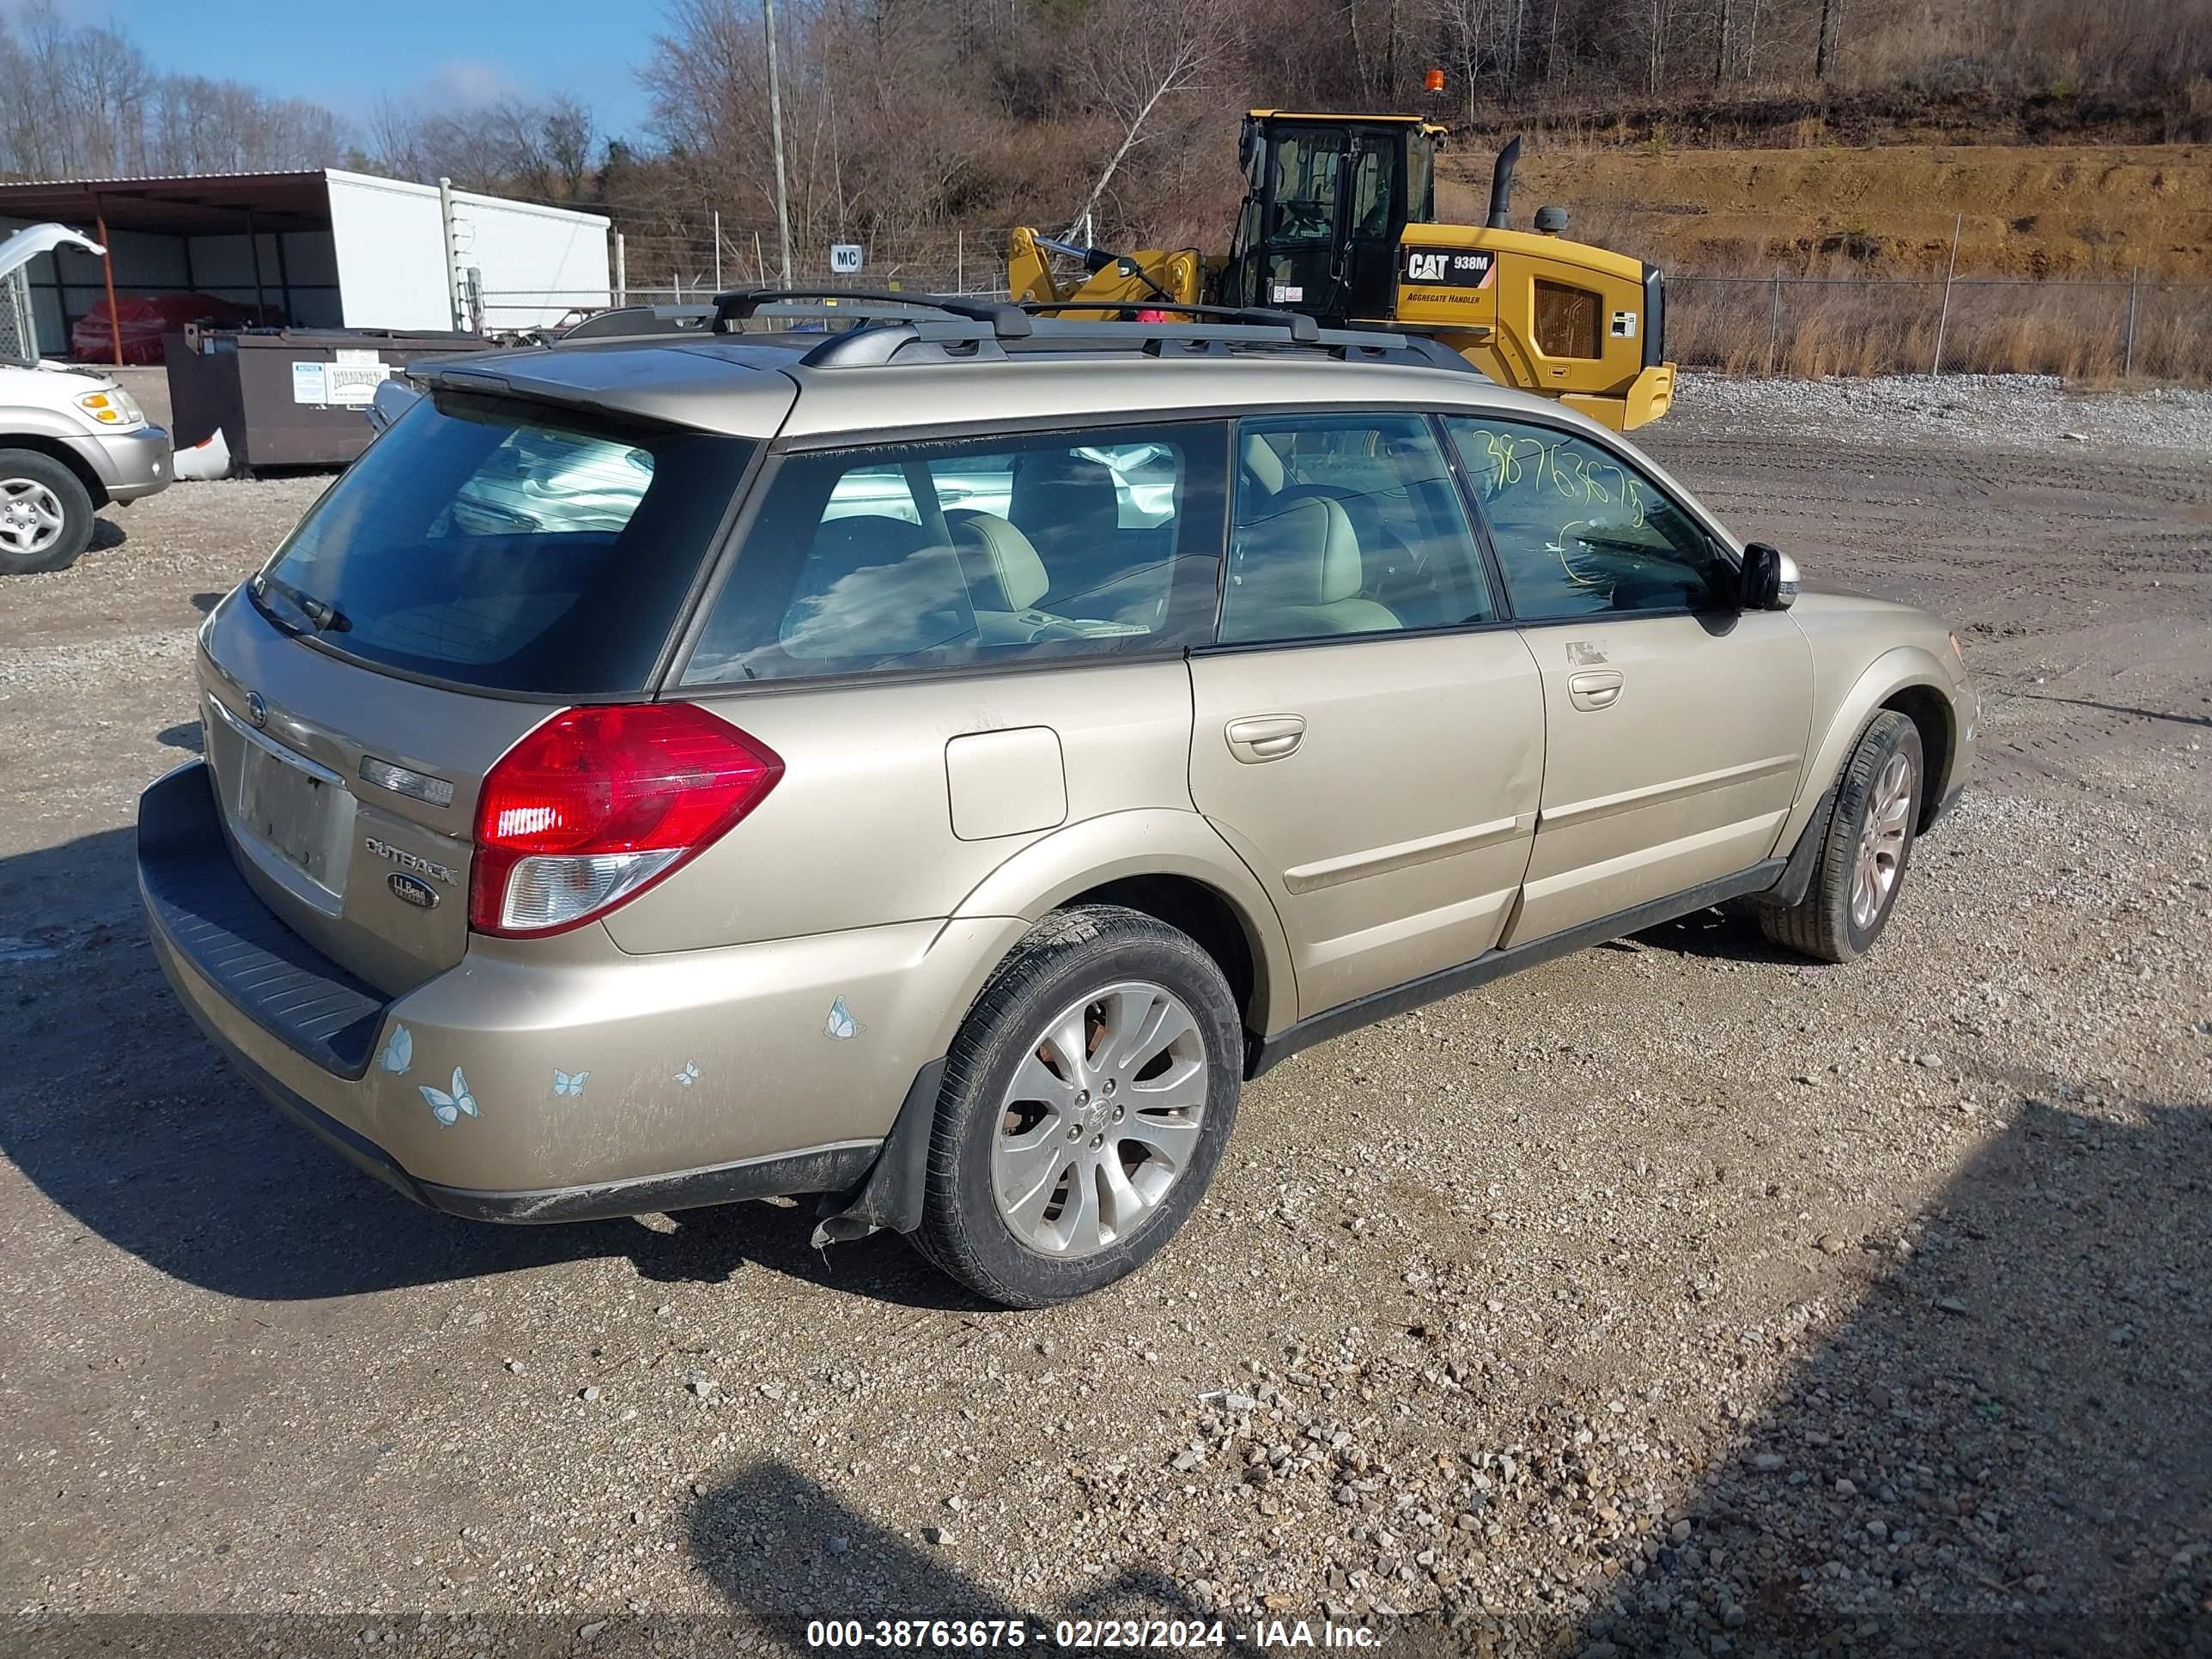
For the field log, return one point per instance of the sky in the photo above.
(346, 55)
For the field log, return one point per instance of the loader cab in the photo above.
(1326, 199)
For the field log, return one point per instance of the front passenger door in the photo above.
(1676, 725)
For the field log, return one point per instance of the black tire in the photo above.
(1070, 953)
(29, 466)
(1821, 925)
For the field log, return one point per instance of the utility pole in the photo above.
(775, 137)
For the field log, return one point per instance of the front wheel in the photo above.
(46, 513)
(1086, 1102)
(1869, 843)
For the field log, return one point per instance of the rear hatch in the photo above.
(492, 558)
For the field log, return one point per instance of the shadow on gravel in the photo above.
(2116, 708)
(118, 1109)
(1715, 934)
(788, 1552)
(2021, 1408)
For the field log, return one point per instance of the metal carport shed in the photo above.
(328, 249)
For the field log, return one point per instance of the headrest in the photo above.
(1303, 552)
(1007, 554)
(1058, 493)
(1261, 461)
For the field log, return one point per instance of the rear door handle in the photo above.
(1595, 687)
(1258, 738)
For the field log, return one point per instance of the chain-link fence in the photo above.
(2081, 329)
(688, 266)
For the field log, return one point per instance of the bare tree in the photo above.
(568, 130)
(1139, 61)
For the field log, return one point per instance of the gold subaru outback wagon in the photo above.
(931, 755)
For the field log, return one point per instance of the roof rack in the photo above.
(876, 326)
(626, 320)
(1304, 331)
(1008, 322)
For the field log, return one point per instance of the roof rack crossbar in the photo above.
(641, 319)
(1304, 329)
(1008, 322)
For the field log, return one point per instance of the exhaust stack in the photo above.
(1501, 187)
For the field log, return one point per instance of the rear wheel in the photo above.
(1085, 1105)
(1869, 843)
(46, 513)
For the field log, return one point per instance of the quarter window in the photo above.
(1347, 523)
(999, 549)
(1579, 530)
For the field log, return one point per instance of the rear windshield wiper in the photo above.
(323, 616)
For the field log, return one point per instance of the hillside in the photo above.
(2041, 210)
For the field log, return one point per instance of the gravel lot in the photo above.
(1678, 1296)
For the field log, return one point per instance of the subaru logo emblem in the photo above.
(420, 894)
(256, 710)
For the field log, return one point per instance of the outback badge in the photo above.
(418, 893)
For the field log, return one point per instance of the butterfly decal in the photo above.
(399, 1053)
(841, 1024)
(447, 1107)
(688, 1076)
(569, 1083)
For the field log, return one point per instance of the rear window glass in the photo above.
(509, 546)
(1068, 544)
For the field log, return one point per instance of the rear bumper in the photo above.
(695, 1080)
(129, 465)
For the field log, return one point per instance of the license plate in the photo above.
(303, 818)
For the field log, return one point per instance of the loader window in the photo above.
(1307, 163)
(1420, 181)
(1567, 323)
(1580, 531)
(941, 554)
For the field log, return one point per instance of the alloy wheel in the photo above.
(1881, 841)
(1103, 1116)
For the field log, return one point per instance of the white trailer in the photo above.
(321, 248)
(511, 265)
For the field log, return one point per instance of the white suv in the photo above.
(72, 442)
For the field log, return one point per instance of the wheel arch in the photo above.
(1931, 713)
(1907, 678)
(60, 450)
(1169, 865)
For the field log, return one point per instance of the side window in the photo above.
(1306, 168)
(1579, 530)
(1567, 321)
(1347, 523)
(939, 555)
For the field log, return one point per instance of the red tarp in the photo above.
(147, 317)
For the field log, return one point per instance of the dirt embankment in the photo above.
(2048, 210)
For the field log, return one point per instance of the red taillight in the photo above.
(599, 803)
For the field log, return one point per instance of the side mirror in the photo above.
(1769, 578)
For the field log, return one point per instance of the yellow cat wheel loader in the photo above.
(1339, 221)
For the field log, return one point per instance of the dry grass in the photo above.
(2075, 329)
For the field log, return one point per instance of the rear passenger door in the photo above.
(1677, 722)
(977, 675)
(1367, 734)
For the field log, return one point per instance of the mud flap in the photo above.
(1804, 858)
(890, 1194)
